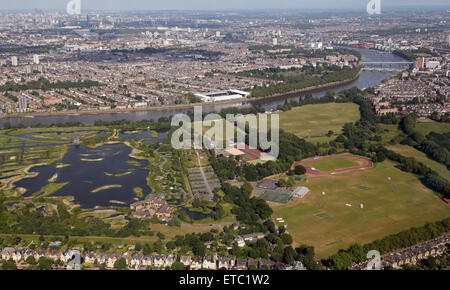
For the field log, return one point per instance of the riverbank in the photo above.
(182, 106)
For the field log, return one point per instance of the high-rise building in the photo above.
(420, 63)
(14, 61)
(23, 103)
(275, 41)
(36, 59)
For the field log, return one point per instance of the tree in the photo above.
(300, 170)
(177, 266)
(340, 261)
(286, 238)
(236, 251)
(161, 236)
(120, 264)
(30, 260)
(289, 255)
(170, 245)
(44, 263)
(9, 265)
(431, 262)
(247, 188)
(380, 157)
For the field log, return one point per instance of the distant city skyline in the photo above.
(211, 4)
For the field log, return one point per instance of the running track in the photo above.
(309, 170)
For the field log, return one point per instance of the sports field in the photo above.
(328, 222)
(314, 121)
(333, 163)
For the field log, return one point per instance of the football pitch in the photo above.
(392, 201)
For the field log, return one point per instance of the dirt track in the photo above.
(309, 170)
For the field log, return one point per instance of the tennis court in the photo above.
(274, 196)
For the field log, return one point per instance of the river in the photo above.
(366, 79)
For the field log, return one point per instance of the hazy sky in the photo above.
(208, 4)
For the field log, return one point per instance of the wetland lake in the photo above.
(103, 176)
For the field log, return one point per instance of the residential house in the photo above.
(209, 263)
(66, 256)
(251, 263)
(7, 253)
(240, 264)
(196, 264)
(186, 260)
(169, 261)
(232, 260)
(159, 261)
(135, 261)
(266, 262)
(53, 255)
(111, 259)
(101, 259)
(90, 258)
(40, 253)
(240, 241)
(28, 253)
(223, 263)
(253, 237)
(17, 256)
(147, 261)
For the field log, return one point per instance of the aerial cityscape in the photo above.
(138, 138)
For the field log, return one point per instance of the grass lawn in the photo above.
(332, 164)
(389, 207)
(388, 132)
(409, 151)
(426, 126)
(316, 120)
(169, 233)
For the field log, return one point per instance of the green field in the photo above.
(332, 164)
(427, 126)
(409, 151)
(389, 207)
(314, 121)
(388, 132)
